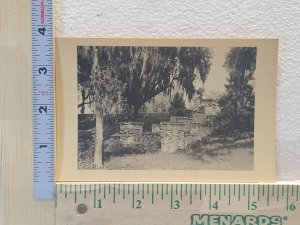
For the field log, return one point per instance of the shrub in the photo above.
(115, 148)
(177, 106)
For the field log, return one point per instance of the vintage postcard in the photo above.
(165, 110)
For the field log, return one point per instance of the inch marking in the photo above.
(43, 117)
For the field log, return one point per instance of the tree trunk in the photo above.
(83, 101)
(136, 110)
(98, 141)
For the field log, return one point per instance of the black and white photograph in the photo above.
(166, 108)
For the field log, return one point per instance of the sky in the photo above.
(214, 85)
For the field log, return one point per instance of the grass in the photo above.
(238, 157)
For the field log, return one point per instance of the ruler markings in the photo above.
(133, 196)
(239, 195)
(69, 191)
(249, 190)
(124, 191)
(171, 203)
(209, 206)
(152, 199)
(287, 197)
(200, 192)
(229, 195)
(191, 194)
(268, 195)
(66, 192)
(55, 196)
(180, 191)
(94, 196)
(75, 194)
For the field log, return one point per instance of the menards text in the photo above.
(205, 219)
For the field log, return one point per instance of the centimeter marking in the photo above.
(214, 197)
(43, 99)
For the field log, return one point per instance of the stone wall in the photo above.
(171, 136)
(200, 130)
(131, 134)
(186, 122)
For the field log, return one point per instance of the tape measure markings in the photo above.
(43, 99)
(256, 195)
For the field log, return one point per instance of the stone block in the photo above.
(156, 128)
(186, 122)
(131, 127)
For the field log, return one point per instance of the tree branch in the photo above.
(84, 103)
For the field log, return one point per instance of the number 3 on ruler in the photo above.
(176, 204)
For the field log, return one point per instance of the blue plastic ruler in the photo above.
(177, 204)
(43, 98)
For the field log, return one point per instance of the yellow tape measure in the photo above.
(177, 204)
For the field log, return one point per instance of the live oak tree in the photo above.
(153, 70)
(237, 105)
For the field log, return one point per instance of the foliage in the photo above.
(177, 106)
(237, 105)
(140, 73)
